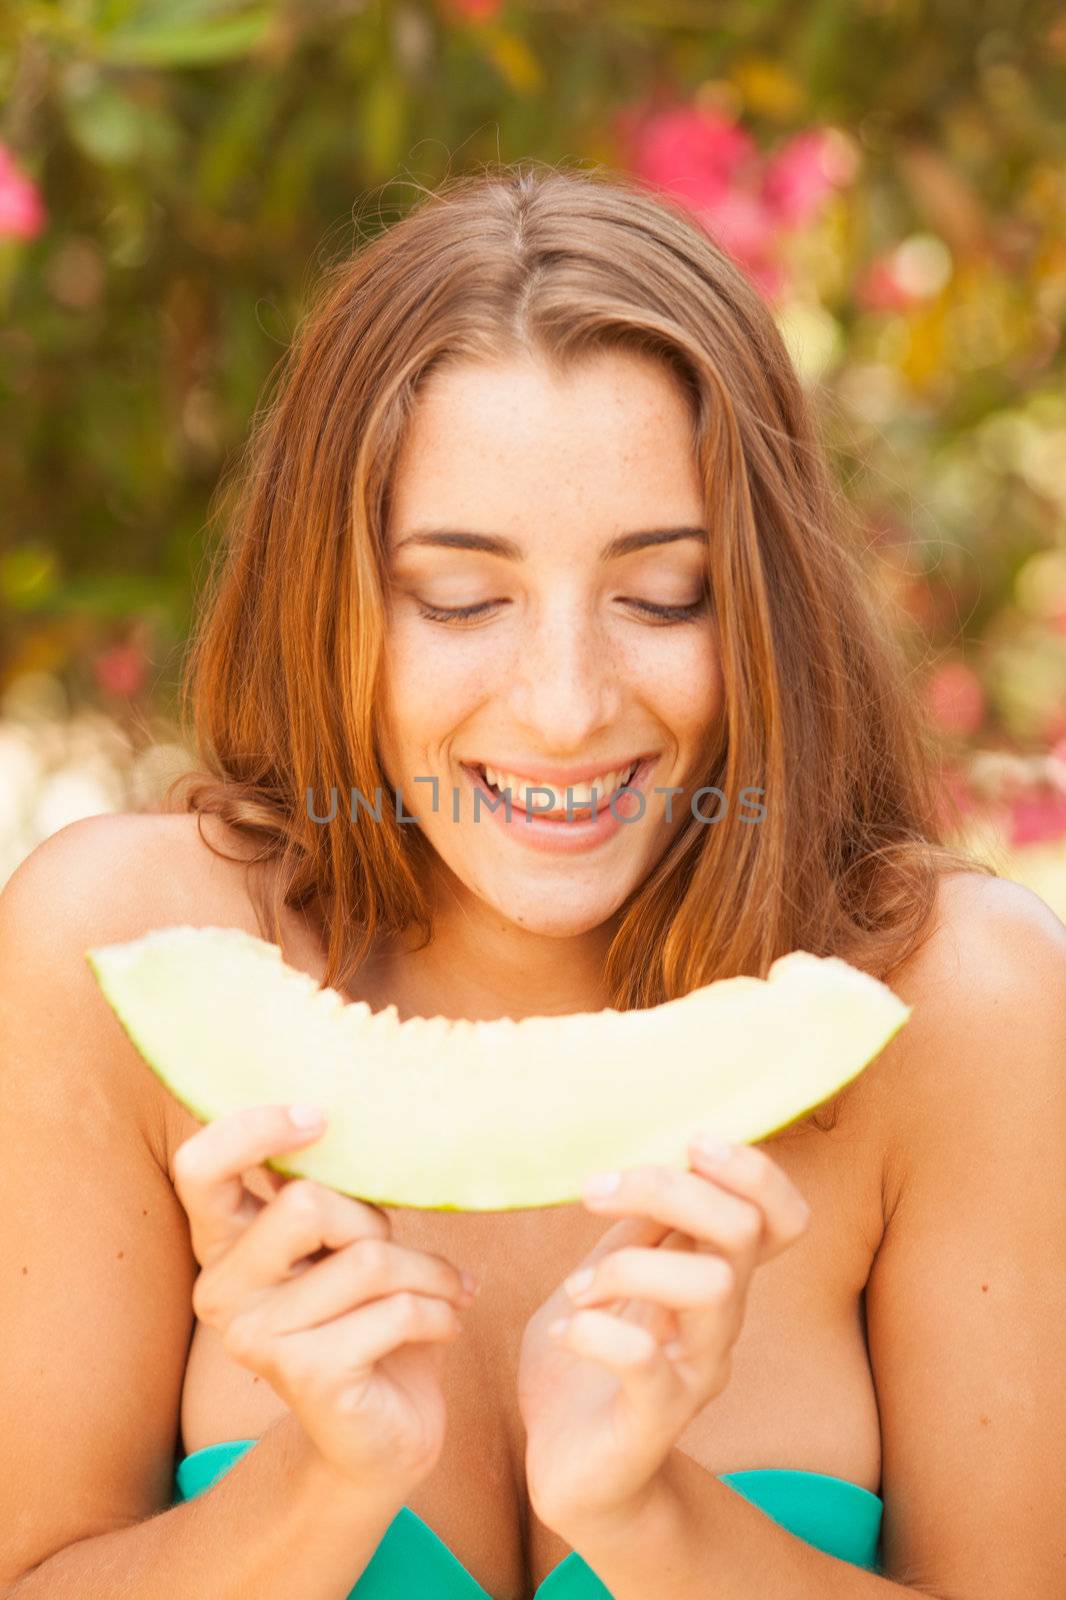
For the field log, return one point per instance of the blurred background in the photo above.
(173, 173)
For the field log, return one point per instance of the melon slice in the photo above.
(488, 1116)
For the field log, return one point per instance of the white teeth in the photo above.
(605, 785)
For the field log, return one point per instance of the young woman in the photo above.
(537, 506)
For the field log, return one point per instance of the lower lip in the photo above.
(546, 833)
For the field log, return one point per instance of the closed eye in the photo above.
(460, 614)
(671, 613)
(454, 613)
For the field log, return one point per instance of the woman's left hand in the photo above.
(648, 1342)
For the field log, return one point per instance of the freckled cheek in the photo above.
(682, 685)
(430, 691)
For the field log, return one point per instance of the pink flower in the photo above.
(955, 698)
(22, 214)
(692, 152)
(120, 671)
(880, 290)
(801, 175)
(704, 159)
(742, 225)
(1036, 817)
(474, 10)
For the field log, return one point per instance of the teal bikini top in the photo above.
(836, 1516)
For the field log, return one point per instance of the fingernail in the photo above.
(469, 1282)
(559, 1326)
(602, 1184)
(579, 1280)
(712, 1149)
(306, 1116)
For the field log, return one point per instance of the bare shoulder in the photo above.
(988, 932)
(996, 953)
(116, 853)
(109, 879)
(987, 1033)
(125, 872)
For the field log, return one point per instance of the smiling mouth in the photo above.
(578, 806)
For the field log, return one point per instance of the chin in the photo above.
(552, 920)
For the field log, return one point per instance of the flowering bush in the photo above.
(748, 202)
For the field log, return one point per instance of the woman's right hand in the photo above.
(309, 1291)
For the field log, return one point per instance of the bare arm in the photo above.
(966, 1301)
(98, 1272)
(276, 1523)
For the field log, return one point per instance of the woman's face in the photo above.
(563, 675)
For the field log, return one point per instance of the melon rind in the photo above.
(445, 1114)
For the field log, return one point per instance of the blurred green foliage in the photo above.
(197, 161)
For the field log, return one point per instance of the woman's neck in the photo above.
(481, 966)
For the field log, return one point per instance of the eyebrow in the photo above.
(494, 544)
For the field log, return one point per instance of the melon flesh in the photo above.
(488, 1116)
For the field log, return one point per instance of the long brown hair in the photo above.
(819, 707)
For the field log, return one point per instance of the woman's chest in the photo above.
(800, 1393)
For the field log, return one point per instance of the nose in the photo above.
(565, 685)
